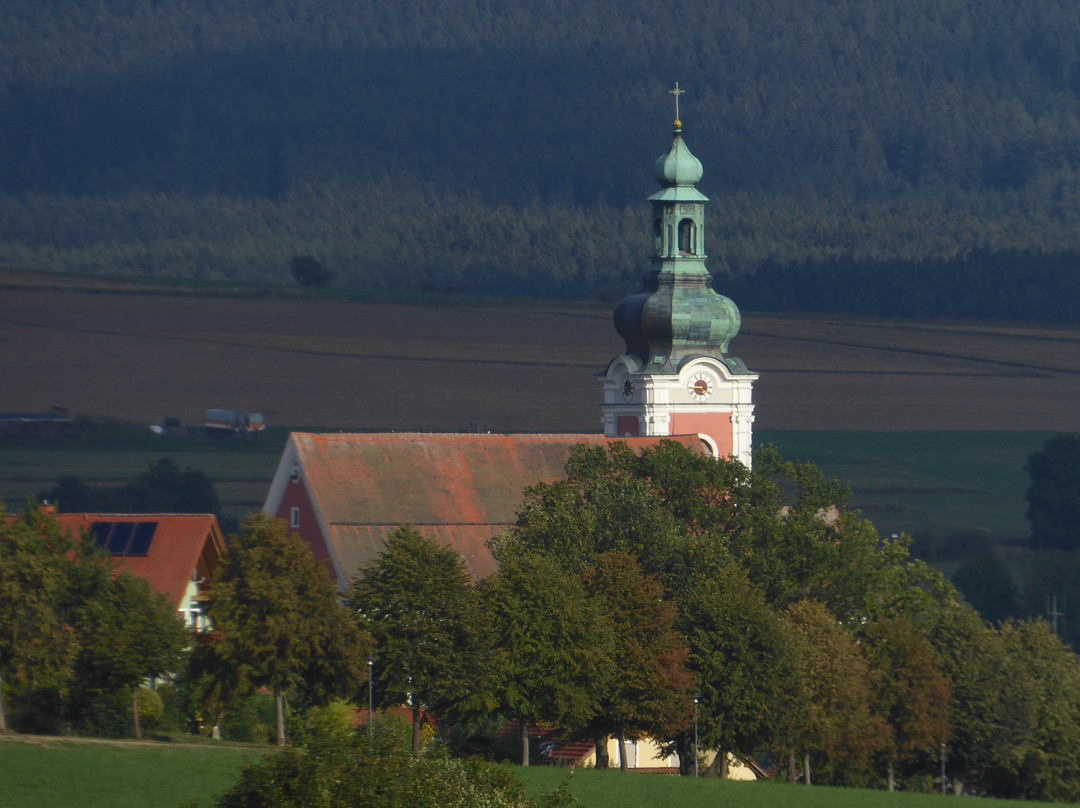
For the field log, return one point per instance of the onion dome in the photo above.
(677, 315)
(678, 166)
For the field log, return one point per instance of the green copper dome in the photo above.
(678, 166)
(677, 315)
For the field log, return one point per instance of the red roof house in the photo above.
(175, 553)
(345, 492)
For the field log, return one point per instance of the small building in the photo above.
(175, 553)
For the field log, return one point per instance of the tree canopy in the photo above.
(417, 604)
(278, 622)
(1054, 495)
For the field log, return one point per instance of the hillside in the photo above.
(507, 148)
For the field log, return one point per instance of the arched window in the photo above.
(667, 246)
(687, 237)
(658, 236)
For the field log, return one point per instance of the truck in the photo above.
(234, 422)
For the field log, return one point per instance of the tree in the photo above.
(646, 689)
(37, 641)
(987, 584)
(992, 702)
(743, 664)
(418, 605)
(832, 716)
(1054, 494)
(161, 488)
(1049, 764)
(910, 693)
(279, 620)
(132, 634)
(548, 640)
(310, 271)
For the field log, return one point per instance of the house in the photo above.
(175, 553)
(343, 493)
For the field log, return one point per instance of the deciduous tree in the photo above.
(37, 641)
(550, 643)
(1054, 494)
(279, 619)
(130, 635)
(417, 603)
(832, 717)
(910, 693)
(646, 689)
(743, 664)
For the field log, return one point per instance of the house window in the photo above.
(294, 517)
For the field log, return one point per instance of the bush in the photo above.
(342, 767)
(251, 721)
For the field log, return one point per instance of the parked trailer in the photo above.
(234, 422)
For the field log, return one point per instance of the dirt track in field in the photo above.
(329, 364)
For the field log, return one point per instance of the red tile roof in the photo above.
(461, 488)
(182, 545)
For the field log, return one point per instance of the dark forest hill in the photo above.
(507, 147)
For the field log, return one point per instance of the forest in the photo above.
(463, 146)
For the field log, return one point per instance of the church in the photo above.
(345, 492)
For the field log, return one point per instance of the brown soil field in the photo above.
(136, 353)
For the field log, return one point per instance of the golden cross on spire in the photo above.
(676, 92)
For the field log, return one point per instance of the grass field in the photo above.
(907, 482)
(63, 773)
(103, 774)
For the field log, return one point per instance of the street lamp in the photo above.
(943, 767)
(371, 696)
(697, 698)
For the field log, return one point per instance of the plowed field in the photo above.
(143, 355)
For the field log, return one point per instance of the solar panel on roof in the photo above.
(100, 532)
(120, 536)
(144, 534)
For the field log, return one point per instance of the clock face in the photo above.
(700, 386)
(628, 387)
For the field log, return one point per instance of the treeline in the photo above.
(507, 150)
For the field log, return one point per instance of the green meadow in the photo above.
(101, 774)
(907, 482)
(613, 789)
(60, 773)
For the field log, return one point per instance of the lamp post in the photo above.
(943, 767)
(371, 696)
(697, 698)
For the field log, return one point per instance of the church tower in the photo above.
(676, 377)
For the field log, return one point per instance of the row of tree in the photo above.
(642, 583)
(662, 595)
